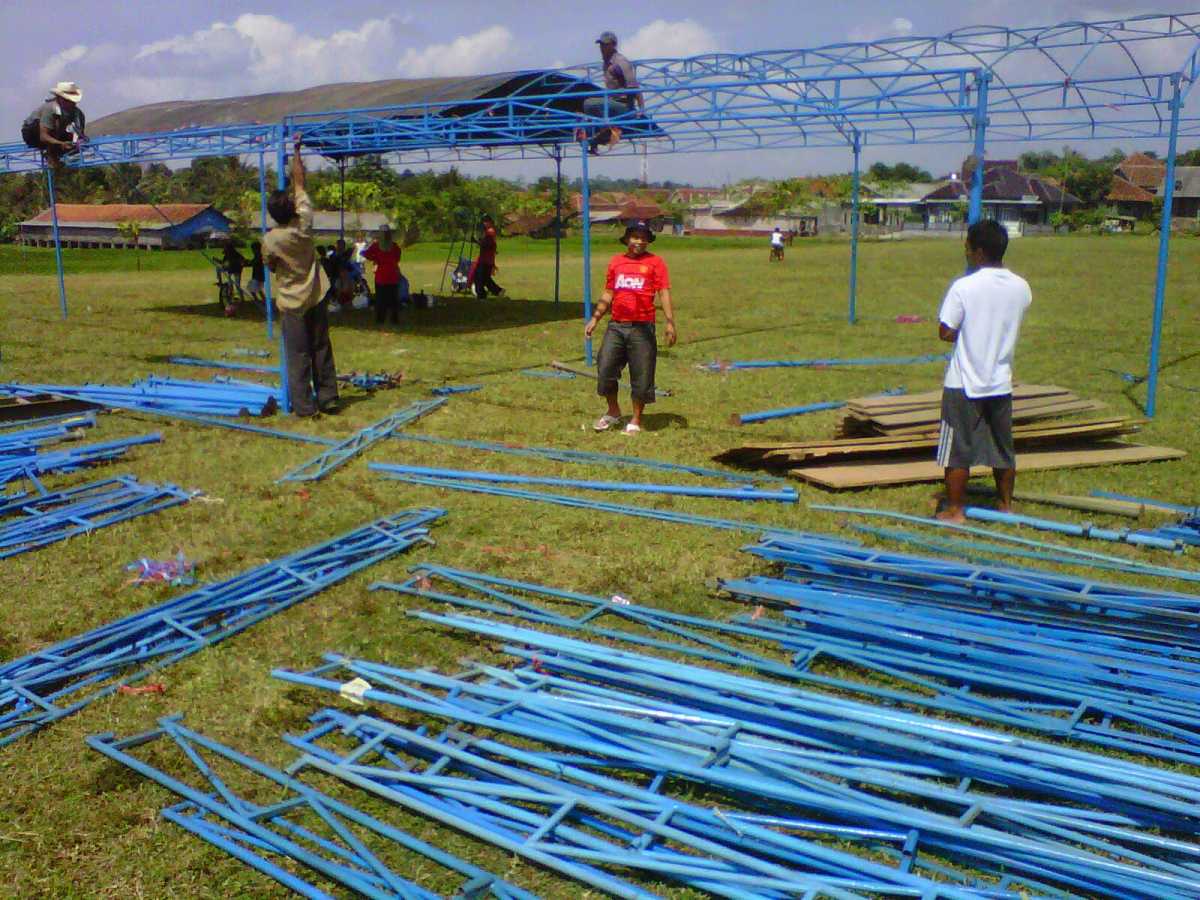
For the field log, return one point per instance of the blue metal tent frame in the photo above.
(1118, 80)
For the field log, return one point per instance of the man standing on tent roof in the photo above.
(619, 74)
(56, 127)
(296, 277)
(634, 278)
(981, 316)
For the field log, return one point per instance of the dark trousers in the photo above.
(483, 280)
(310, 367)
(387, 302)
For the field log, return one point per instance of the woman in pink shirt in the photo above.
(385, 253)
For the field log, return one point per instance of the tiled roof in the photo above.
(112, 213)
(1144, 171)
(1127, 192)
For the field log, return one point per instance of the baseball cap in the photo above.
(606, 37)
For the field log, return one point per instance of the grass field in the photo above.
(73, 825)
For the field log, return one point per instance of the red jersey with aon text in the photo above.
(633, 283)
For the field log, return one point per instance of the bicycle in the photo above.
(228, 290)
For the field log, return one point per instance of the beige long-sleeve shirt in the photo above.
(289, 252)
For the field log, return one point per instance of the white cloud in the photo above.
(52, 72)
(873, 31)
(258, 53)
(661, 38)
(468, 54)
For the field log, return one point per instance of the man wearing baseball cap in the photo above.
(635, 278)
(56, 127)
(619, 75)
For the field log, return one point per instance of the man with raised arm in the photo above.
(981, 316)
(635, 278)
(296, 280)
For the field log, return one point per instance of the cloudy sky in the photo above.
(128, 53)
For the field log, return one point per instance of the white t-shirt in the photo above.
(985, 308)
(777, 239)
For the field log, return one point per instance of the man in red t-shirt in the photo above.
(385, 253)
(635, 278)
(485, 265)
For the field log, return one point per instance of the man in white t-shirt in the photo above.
(981, 316)
(776, 244)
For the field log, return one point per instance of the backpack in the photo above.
(31, 132)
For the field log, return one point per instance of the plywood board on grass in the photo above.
(841, 476)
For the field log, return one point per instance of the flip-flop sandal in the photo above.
(631, 428)
(606, 422)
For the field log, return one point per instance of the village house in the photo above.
(168, 226)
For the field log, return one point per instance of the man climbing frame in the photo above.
(634, 279)
(619, 74)
(57, 126)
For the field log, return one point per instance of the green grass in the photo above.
(73, 825)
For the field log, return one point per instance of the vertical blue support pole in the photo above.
(1164, 246)
(262, 194)
(975, 209)
(285, 399)
(342, 198)
(557, 217)
(854, 218)
(587, 250)
(62, 284)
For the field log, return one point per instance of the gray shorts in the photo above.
(976, 432)
(633, 344)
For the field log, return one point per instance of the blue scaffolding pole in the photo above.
(975, 210)
(1164, 246)
(586, 212)
(285, 396)
(856, 145)
(62, 286)
(557, 219)
(262, 198)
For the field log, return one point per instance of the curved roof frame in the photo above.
(1109, 79)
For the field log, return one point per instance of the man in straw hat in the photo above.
(635, 278)
(56, 127)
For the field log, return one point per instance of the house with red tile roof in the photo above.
(165, 226)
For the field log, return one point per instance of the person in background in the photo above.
(619, 75)
(296, 278)
(256, 287)
(233, 263)
(485, 266)
(57, 126)
(981, 316)
(635, 278)
(776, 244)
(385, 254)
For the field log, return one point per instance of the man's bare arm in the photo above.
(946, 333)
(297, 168)
(602, 306)
(49, 139)
(669, 312)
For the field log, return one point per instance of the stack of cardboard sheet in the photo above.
(920, 414)
(892, 440)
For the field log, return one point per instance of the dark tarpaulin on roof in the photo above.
(331, 98)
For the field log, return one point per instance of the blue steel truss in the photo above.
(1116, 80)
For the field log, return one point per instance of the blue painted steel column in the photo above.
(62, 284)
(342, 198)
(1164, 246)
(557, 217)
(587, 250)
(975, 210)
(854, 217)
(262, 211)
(285, 398)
